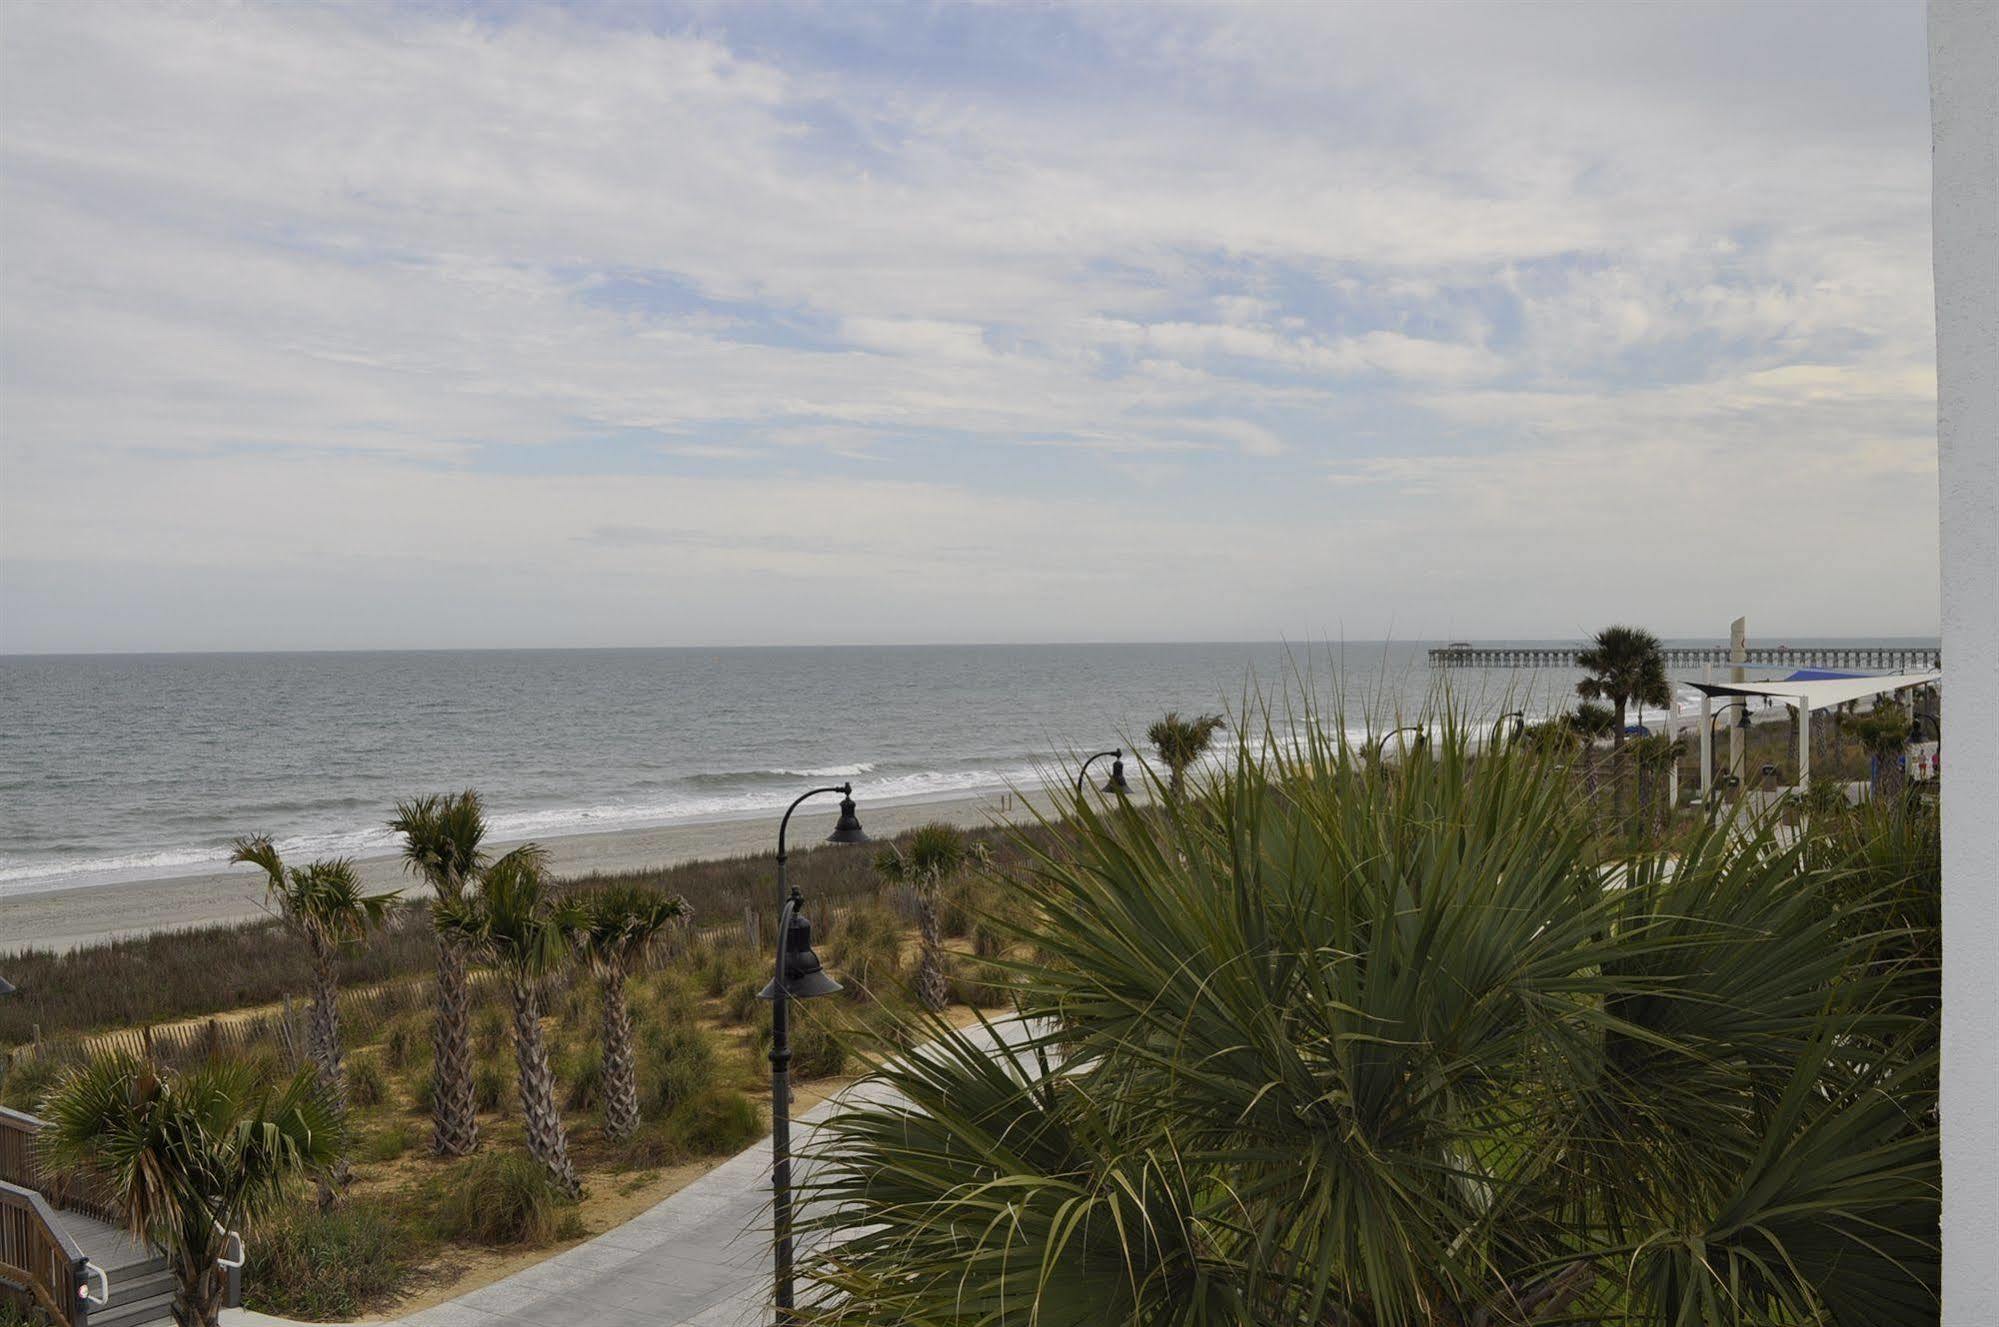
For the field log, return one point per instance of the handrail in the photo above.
(90, 1269)
(34, 1245)
(72, 1193)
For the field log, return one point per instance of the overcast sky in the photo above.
(619, 324)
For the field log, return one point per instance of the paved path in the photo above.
(701, 1258)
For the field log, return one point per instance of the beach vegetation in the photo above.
(1180, 742)
(1344, 1048)
(615, 930)
(1625, 667)
(511, 921)
(504, 1199)
(190, 1157)
(925, 862)
(330, 1266)
(324, 905)
(1883, 732)
(443, 845)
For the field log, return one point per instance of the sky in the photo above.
(501, 325)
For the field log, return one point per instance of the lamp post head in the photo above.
(848, 828)
(1116, 782)
(804, 977)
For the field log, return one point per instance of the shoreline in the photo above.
(73, 916)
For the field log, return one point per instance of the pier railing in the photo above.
(1906, 658)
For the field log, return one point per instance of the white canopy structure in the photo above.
(1806, 691)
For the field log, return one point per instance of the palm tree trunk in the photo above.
(547, 1140)
(1176, 781)
(325, 1039)
(621, 1084)
(197, 1298)
(454, 1109)
(931, 988)
(326, 1025)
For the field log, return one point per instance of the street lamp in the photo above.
(1115, 783)
(1519, 718)
(1421, 738)
(799, 977)
(1742, 723)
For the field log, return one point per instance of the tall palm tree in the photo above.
(925, 862)
(191, 1158)
(442, 846)
(1884, 731)
(1353, 1052)
(1181, 742)
(613, 930)
(511, 920)
(1625, 666)
(323, 905)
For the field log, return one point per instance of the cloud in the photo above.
(1166, 276)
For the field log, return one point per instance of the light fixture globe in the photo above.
(848, 828)
(1116, 782)
(804, 976)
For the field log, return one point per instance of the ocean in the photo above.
(121, 767)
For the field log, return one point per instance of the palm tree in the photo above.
(323, 905)
(192, 1158)
(442, 839)
(613, 930)
(1181, 742)
(925, 862)
(1355, 1052)
(1884, 732)
(511, 921)
(1625, 665)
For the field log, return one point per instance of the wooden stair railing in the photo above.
(36, 1252)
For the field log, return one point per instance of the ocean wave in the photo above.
(32, 875)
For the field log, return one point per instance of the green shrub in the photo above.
(580, 1071)
(387, 1143)
(407, 1041)
(866, 950)
(21, 1314)
(489, 1029)
(741, 1005)
(365, 1085)
(816, 1048)
(979, 984)
(344, 1263)
(724, 965)
(503, 1198)
(423, 1092)
(720, 1121)
(493, 1083)
(959, 905)
(676, 1061)
(25, 1079)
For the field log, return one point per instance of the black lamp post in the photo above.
(1519, 718)
(799, 977)
(1742, 723)
(1115, 783)
(1421, 738)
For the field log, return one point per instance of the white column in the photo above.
(1804, 743)
(1738, 652)
(1672, 735)
(1707, 738)
(1964, 211)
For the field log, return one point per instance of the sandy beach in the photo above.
(66, 918)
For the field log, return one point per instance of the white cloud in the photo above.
(315, 259)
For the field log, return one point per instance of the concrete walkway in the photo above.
(701, 1258)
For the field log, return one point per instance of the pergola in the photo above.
(1808, 691)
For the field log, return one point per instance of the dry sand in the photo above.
(66, 918)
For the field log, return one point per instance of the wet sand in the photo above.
(67, 918)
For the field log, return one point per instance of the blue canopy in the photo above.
(1821, 675)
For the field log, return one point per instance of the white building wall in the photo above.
(1964, 123)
